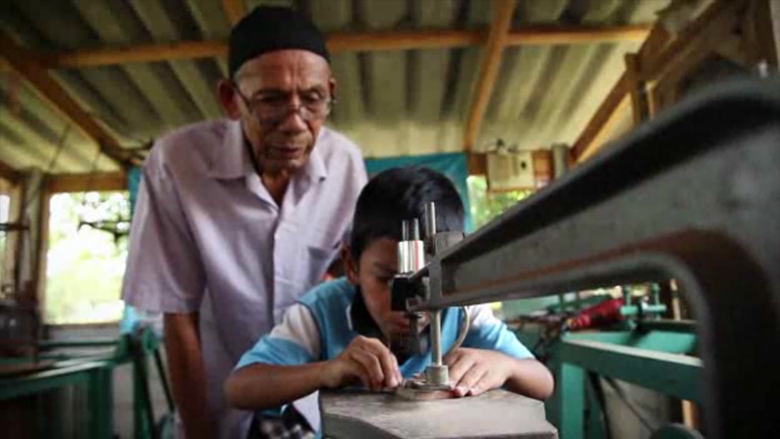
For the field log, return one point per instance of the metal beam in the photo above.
(488, 71)
(666, 202)
(234, 10)
(671, 374)
(59, 99)
(9, 174)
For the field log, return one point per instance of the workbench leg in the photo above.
(101, 398)
(571, 399)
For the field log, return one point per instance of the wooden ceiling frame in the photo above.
(234, 10)
(50, 91)
(492, 52)
(346, 42)
(658, 58)
(99, 181)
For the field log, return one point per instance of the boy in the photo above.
(338, 334)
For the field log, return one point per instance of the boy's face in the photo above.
(374, 272)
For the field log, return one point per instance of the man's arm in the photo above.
(265, 386)
(188, 379)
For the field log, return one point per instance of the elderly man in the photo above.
(238, 217)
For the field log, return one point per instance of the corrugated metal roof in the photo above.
(390, 103)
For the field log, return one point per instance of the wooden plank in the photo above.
(654, 43)
(234, 10)
(50, 90)
(600, 118)
(342, 42)
(9, 174)
(143, 53)
(656, 58)
(762, 34)
(491, 61)
(477, 163)
(601, 137)
(700, 35)
(101, 182)
(636, 89)
(582, 35)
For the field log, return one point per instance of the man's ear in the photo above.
(350, 265)
(333, 87)
(227, 99)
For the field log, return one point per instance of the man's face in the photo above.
(272, 87)
(376, 268)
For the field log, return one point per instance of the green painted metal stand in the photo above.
(97, 373)
(653, 359)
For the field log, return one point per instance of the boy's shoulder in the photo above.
(329, 295)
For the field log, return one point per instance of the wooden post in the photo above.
(636, 89)
(234, 10)
(488, 72)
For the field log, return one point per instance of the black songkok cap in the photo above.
(267, 29)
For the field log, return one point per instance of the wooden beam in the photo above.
(600, 118)
(601, 137)
(653, 45)
(761, 33)
(696, 37)
(476, 163)
(578, 35)
(655, 59)
(402, 40)
(144, 53)
(99, 182)
(636, 89)
(9, 173)
(234, 10)
(50, 90)
(343, 42)
(488, 72)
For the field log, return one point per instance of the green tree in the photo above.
(85, 264)
(486, 205)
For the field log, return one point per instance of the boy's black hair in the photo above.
(399, 194)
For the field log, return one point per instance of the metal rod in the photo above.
(436, 337)
(430, 220)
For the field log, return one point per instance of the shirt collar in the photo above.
(234, 160)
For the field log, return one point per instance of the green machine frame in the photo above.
(651, 353)
(96, 372)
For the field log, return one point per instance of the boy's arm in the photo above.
(282, 366)
(474, 371)
(493, 357)
(264, 386)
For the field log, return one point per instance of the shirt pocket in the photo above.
(322, 249)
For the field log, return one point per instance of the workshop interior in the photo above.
(619, 161)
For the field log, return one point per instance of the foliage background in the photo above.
(84, 266)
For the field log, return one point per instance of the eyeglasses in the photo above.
(273, 109)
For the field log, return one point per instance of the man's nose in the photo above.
(293, 121)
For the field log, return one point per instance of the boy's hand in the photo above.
(366, 359)
(474, 371)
